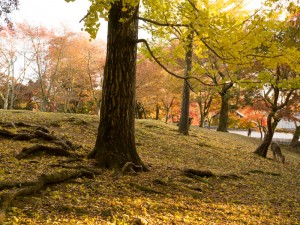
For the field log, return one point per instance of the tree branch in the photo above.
(162, 24)
(165, 68)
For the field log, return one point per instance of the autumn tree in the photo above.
(279, 74)
(79, 78)
(7, 7)
(291, 113)
(204, 100)
(14, 64)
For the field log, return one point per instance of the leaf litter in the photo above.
(247, 189)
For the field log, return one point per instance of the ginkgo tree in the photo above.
(115, 145)
(279, 75)
(216, 30)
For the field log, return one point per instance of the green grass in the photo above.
(262, 192)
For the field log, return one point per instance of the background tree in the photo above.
(204, 99)
(7, 7)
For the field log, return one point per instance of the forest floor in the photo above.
(246, 188)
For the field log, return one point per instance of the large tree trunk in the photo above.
(184, 123)
(262, 149)
(115, 144)
(223, 120)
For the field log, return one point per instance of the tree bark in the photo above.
(262, 149)
(199, 101)
(204, 107)
(184, 123)
(115, 144)
(223, 120)
(296, 134)
(157, 112)
(12, 89)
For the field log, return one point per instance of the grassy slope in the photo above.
(266, 192)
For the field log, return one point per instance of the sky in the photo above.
(55, 13)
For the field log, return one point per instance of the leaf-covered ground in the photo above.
(247, 189)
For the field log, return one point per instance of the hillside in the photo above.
(245, 188)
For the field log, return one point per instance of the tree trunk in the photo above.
(157, 112)
(184, 124)
(138, 110)
(260, 129)
(167, 114)
(12, 90)
(223, 120)
(296, 134)
(199, 101)
(262, 149)
(115, 144)
(5, 99)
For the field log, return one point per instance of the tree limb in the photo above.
(165, 68)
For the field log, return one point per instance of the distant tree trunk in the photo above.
(273, 119)
(223, 120)
(259, 122)
(272, 122)
(12, 89)
(5, 99)
(138, 110)
(204, 108)
(115, 144)
(167, 115)
(202, 119)
(296, 134)
(184, 124)
(157, 112)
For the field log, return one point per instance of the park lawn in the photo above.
(246, 188)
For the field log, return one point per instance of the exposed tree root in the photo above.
(131, 168)
(21, 124)
(42, 133)
(13, 184)
(8, 196)
(77, 121)
(192, 173)
(200, 173)
(144, 188)
(6, 133)
(26, 152)
(262, 172)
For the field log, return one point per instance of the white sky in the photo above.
(54, 13)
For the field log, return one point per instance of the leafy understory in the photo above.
(204, 178)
